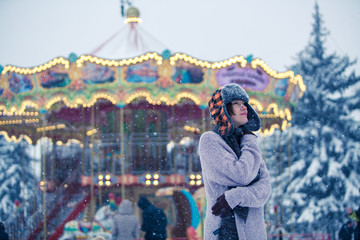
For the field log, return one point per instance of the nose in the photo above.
(243, 106)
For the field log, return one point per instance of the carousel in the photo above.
(133, 125)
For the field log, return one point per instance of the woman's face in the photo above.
(239, 115)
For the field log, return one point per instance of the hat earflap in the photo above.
(254, 122)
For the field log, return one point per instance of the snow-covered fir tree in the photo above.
(17, 179)
(314, 164)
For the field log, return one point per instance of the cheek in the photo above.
(237, 110)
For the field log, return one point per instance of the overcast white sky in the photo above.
(33, 32)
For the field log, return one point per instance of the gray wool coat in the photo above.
(221, 168)
(125, 225)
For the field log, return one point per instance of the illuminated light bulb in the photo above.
(156, 182)
(107, 177)
(147, 182)
(107, 183)
(198, 176)
(283, 125)
(192, 176)
(79, 101)
(148, 176)
(281, 114)
(101, 183)
(198, 182)
(192, 182)
(156, 176)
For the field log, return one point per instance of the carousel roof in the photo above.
(130, 41)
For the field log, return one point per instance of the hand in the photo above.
(221, 207)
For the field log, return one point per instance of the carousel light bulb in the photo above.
(101, 183)
(107, 183)
(107, 177)
(156, 176)
(192, 176)
(198, 182)
(147, 182)
(192, 182)
(283, 125)
(148, 176)
(282, 114)
(101, 177)
(198, 176)
(156, 182)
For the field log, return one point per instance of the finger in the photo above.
(217, 210)
(218, 203)
(216, 213)
(216, 207)
(213, 207)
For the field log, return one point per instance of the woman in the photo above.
(125, 224)
(237, 182)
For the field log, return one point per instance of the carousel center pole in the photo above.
(92, 196)
(44, 176)
(52, 159)
(122, 152)
(174, 127)
(96, 153)
(190, 156)
(34, 204)
(83, 153)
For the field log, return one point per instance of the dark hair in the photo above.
(229, 109)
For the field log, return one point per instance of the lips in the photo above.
(244, 113)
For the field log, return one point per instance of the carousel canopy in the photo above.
(27, 93)
(160, 78)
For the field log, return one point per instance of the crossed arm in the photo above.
(224, 168)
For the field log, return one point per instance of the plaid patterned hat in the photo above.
(218, 111)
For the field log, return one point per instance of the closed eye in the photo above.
(238, 103)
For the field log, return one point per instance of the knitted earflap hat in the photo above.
(217, 108)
